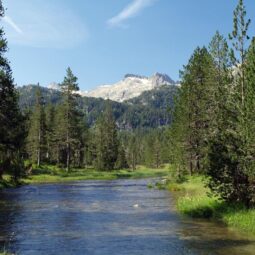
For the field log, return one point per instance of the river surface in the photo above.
(120, 217)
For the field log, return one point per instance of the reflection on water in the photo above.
(99, 217)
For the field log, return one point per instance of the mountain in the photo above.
(130, 86)
(149, 110)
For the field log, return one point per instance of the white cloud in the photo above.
(129, 11)
(10, 22)
(44, 24)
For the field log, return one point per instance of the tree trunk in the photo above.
(67, 157)
(133, 162)
(1, 172)
(190, 165)
(39, 149)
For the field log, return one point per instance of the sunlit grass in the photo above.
(4, 252)
(7, 182)
(242, 219)
(196, 201)
(49, 174)
(197, 206)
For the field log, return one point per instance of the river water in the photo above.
(107, 218)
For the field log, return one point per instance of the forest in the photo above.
(209, 129)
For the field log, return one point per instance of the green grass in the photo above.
(196, 201)
(7, 182)
(4, 252)
(52, 174)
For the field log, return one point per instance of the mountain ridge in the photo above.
(149, 110)
(131, 86)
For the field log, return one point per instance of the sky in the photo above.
(102, 40)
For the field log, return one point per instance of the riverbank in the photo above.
(196, 201)
(7, 182)
(53, 174)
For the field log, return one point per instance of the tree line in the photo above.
(59, 133)
(214, 120)
(212, 130)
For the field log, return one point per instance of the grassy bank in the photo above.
(195, 201)
(5, 253)
(49, 174)
(7, 182)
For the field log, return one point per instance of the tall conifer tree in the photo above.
(194, 108)
(69, 125)
(11, 121)
(107, 140)
(36, 141)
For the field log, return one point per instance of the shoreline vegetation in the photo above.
(53, 174)
(196, 201)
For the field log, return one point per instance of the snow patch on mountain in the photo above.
(131, 86)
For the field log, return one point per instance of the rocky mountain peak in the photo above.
(161, 79)
(131, 86)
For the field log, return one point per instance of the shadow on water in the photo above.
(107, 217)
(205, 237)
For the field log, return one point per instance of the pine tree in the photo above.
(70, 119)
(220, 53)
(133, 151)
(225, 142)
(153, 149)
(250, 120)
(12, 122)
(36, 141)
(148, 153)
(59, 136)
(179, 155)
(157, 151)
(106, 140)
(81, 148)
(239, 38)
(50, 122)
(121, 162)
(194, 108)
(231, 155)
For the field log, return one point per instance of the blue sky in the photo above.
(102, 40)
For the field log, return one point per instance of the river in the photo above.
(121, 217)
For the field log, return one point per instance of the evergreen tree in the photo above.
(91, 147)
(179, 156)
(121, 162)
(194, 109)
(70, 118)
(81, 148)
(225, 142)
(239, 38)
(231, 158)
(59, 136)
(50, 122)
(220, 53)
(132, 152)
(106, 140)
(153, 149)
(36, 141)
(250, 122)
(12, 122)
